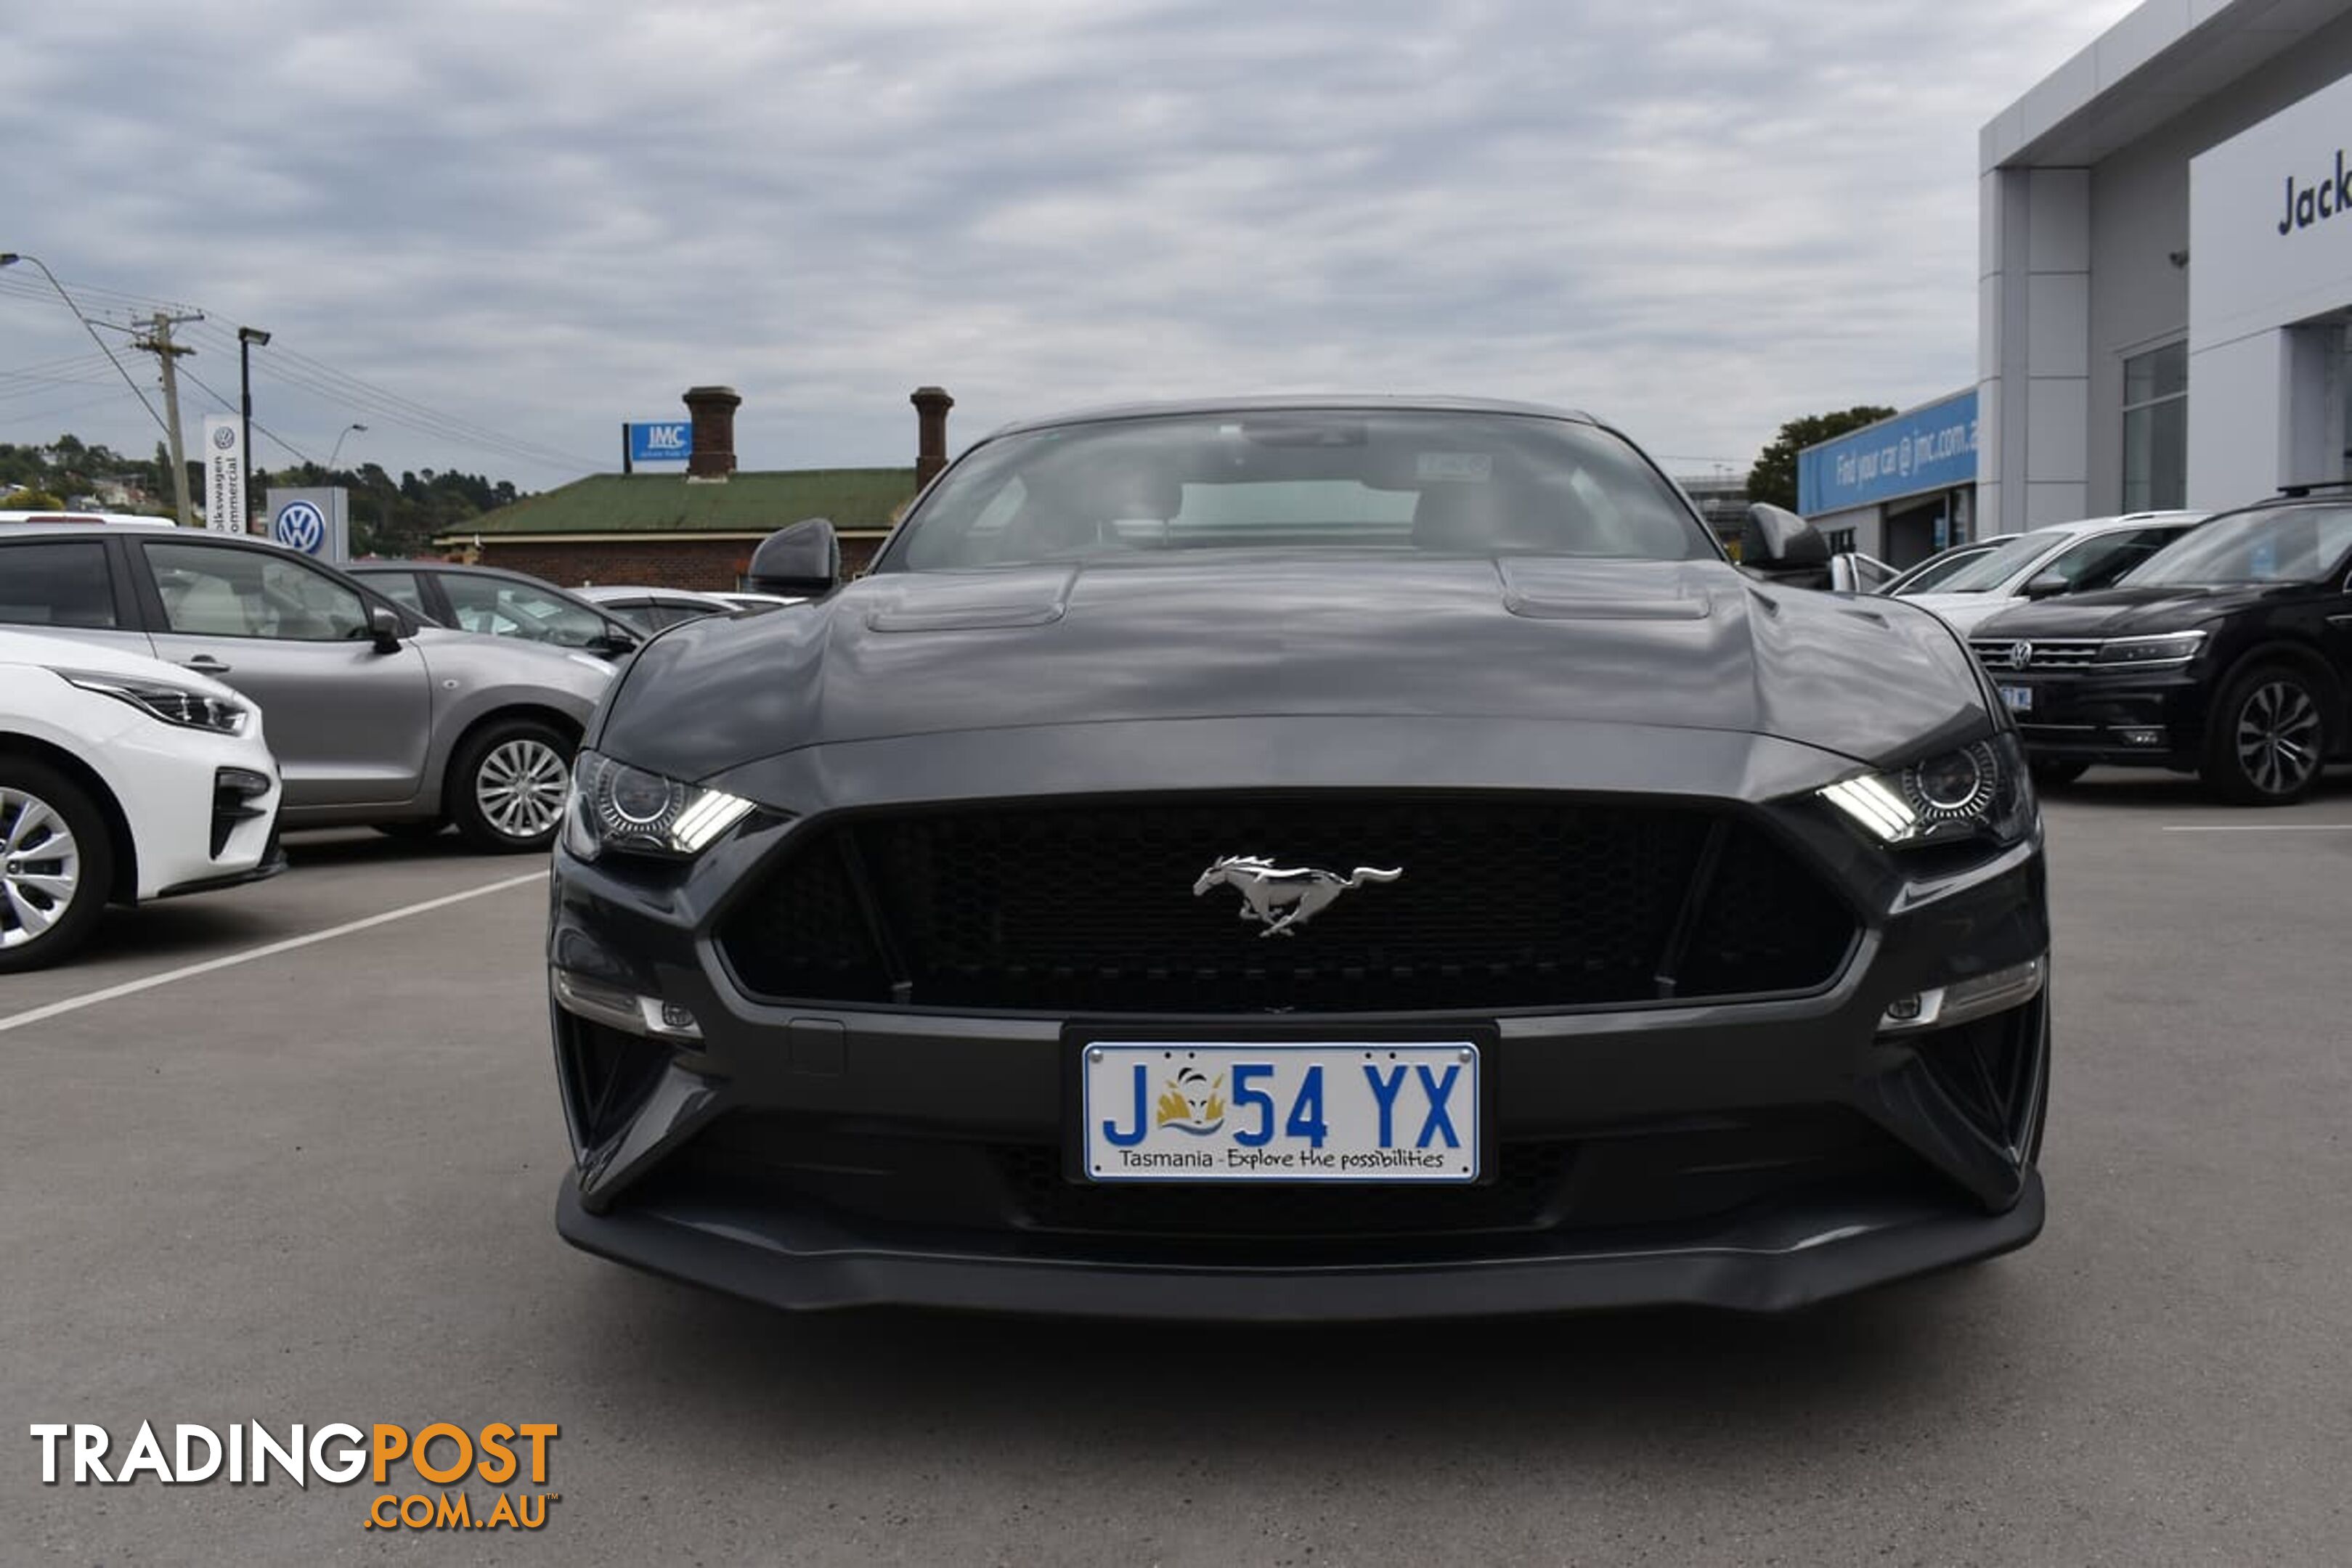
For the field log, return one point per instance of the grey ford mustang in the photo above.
(1286, 859)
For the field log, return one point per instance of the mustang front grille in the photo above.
(1500, 903)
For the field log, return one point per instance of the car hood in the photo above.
(1962, 610)
(520, 655)
(69, 653)
(2123, 611)
(1692, 645)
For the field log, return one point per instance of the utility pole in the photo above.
(158, 342)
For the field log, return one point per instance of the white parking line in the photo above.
(131, 988)
(2265, 828)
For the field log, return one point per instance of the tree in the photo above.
(32, 501)
(1774, 477)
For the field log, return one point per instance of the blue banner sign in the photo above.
(666, 441)
(1930, 448)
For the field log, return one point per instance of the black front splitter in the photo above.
(1790, 1257)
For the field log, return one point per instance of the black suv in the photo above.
(2228, 653)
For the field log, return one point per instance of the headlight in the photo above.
(1977, 790)
(617, 806)
(2171, 648)
(160, 699)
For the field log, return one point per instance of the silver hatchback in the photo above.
(375, 717)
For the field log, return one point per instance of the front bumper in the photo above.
(195, 827)
(1772, 1262)
(2144, 719)
(1753, 1154)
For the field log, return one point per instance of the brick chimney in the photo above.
(931, 405)
(713, 412)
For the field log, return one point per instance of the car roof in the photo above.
(601, 591)
(2122, 520)
(393, 564)
(215, 538)
(70, 516)
(1334, 403)
(90, 531)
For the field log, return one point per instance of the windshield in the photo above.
(1434, 483)
(2292, 544)
(1930, 573)
(1998, 565)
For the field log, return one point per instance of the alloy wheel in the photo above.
(2279, 737)
(520, 787)
(40, 867)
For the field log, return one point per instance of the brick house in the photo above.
(697, 529)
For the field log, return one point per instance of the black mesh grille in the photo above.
(1502, 904)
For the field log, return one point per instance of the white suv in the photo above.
(121, 779)
(2061, 557)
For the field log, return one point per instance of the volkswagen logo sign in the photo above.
(2021, 655)
(224, 438)
(299, 526)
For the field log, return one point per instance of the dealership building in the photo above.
(1900, 489)
(2166, 266)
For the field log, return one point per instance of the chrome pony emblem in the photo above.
(2021, 655)
(1279, 897)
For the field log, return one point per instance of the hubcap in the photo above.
(2279, 738)
(520, 787)
(40, 867)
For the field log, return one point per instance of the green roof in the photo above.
(668, 504)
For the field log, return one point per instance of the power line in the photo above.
(10, 256)
(205, 388)
(28, 415)
(440, 427)
(324, 381)
(350, 393)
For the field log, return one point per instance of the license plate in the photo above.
(1161, 1111)
(2019, 698)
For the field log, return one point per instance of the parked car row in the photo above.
(141, 664)
(138, 662)
(2217, 647)
(2228, 653)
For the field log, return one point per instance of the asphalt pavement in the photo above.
(257, 1172)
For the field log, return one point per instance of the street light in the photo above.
(339, 446)
(10, 258)
(246, 337)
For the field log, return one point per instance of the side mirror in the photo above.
(1776, 543)
(2047, 585)
(803, 561)
(384, 628)
(611, 644)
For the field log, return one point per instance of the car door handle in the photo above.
(204, 664)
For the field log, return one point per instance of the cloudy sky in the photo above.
(491, 231)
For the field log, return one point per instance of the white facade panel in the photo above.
(2057, 416)
(2058, 220)
(2053, 503)
(2235, 417)
(2059, 306)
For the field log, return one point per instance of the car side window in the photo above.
(55, 582)
(635, 612)
(215, 592)
(518, 609)
(2101, 562)
(401, 588)
(672, 611)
